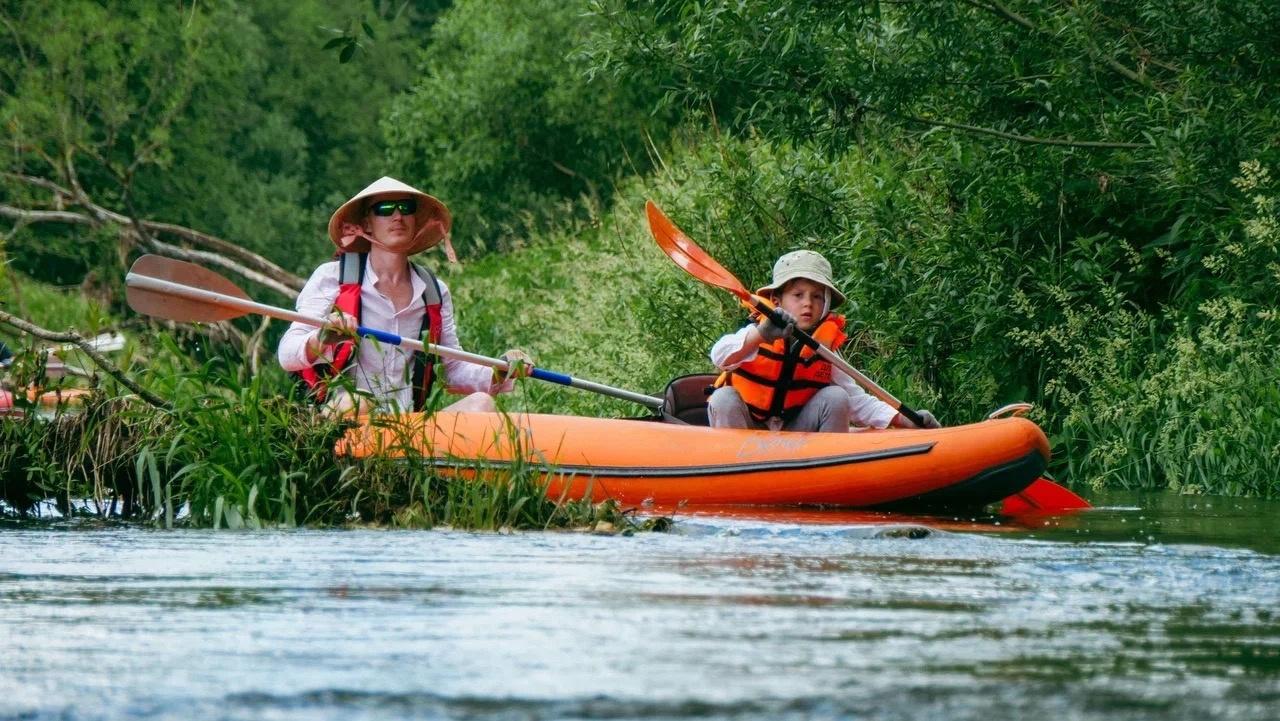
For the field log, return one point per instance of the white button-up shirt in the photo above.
(864, 408)
(384, 370)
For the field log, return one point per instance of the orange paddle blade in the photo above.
(172, 307)
(1043, 496)
(694, 260)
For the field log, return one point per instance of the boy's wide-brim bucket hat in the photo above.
(803, 264)
(433, 218)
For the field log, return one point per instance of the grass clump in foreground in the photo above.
(250, 455)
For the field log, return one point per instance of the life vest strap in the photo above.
(785, 374)
(351, 274)
(351, 268)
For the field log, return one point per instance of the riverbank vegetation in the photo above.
(232, 451)
(1072, 204)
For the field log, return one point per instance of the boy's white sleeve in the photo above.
(864, 408)
(730, 345)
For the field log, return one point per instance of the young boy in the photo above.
(776, 382)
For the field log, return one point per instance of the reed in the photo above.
(407, 489)
(253, 454)
(75, 453)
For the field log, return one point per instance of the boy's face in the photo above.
(804, 299)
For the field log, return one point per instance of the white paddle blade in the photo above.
(160, 304)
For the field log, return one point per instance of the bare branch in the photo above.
(1108, 60)
(1002, 11)
(996, 8)
(17, 39)
(78, 196)
(45, 216)
(84, 345)
(274, 276)
(1063, 142)
(264, 266)
(158, 246)
(194, 256)
(41, 183)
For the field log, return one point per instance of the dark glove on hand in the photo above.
(769, 329)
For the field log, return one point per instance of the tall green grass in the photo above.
(235, 453)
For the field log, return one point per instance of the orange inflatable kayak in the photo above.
(638, 461)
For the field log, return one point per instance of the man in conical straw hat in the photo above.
(774, 381)
(374, 284)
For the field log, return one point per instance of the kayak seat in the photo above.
(685, 400)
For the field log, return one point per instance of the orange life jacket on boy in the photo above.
(786, 374)
(350, 277)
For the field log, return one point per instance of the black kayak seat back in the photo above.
(686, 398)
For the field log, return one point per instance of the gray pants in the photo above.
(826, 412)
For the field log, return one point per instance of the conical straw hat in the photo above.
(433, 218)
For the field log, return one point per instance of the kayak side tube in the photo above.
(634, 462)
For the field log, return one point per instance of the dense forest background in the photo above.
(1060, 201)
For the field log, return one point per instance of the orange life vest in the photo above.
(350, 278)
(785, 374)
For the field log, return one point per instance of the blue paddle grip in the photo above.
(552, 376)
(381, 335)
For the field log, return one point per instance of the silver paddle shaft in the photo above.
(229, 302)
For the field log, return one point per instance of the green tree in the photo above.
(228, 117)
(1026, 198)
(505, 124)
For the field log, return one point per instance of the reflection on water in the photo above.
(1160, 608)
(1167, 518)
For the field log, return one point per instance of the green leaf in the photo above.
(367, 30)
(335, 43)
(791, 41)
(347, 52)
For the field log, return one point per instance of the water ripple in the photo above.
(724, 619)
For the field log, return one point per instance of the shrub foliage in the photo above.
(1068, 203)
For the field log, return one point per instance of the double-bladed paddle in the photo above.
(696, 262)
(185, 292)
(1042, 495)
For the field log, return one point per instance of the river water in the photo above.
(1158, 608)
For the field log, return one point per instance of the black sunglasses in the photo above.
(385, 208)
